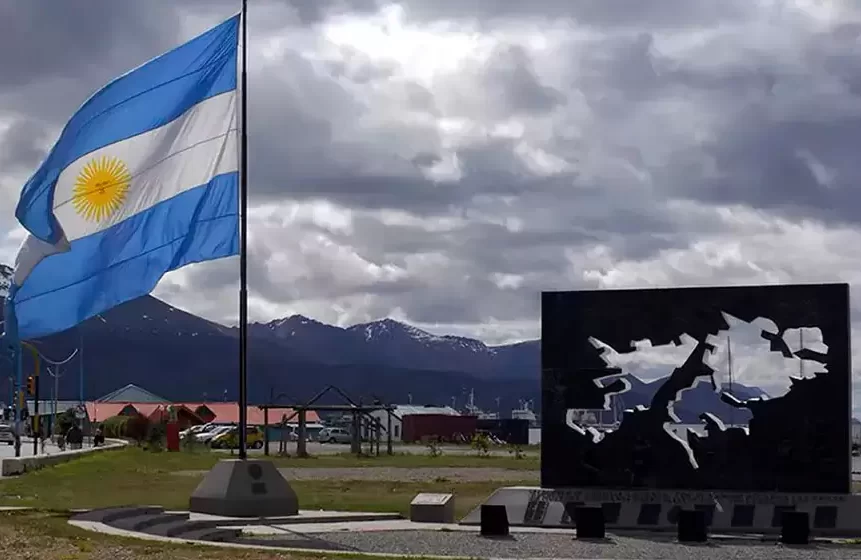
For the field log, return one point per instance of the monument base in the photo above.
(726, 512)
(244, 488)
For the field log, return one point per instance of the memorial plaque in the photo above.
(794, 442)
(432, 508)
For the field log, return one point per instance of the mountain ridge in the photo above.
(185, 357)
(398, 344)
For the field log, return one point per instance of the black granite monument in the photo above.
(795, 443)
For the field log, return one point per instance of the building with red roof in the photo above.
(131, 399)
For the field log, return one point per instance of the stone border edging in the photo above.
(97, 527)
(14, 466)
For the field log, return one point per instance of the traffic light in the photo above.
(31, 385)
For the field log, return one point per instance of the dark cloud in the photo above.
(22, 145)
(41, 38)
(512, 82)
(549, 145)
(669, 13)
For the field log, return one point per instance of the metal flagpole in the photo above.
(243, 239)
(19, 408)
(81, 363)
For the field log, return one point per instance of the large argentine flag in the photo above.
(143, 180)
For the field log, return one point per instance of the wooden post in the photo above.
(356, 440)
(266, 430)
(389, 449)
(301, 449)
(282, 444)
(378, 433)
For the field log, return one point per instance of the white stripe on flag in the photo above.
(162, 163)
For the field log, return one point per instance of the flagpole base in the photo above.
(244, 488)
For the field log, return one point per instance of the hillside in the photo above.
(182, 356)
(395, 344)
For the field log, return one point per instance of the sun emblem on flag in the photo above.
(101, 188)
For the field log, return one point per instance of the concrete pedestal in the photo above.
(244, 488)
(432, 508)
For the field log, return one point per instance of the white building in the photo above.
(402, 410)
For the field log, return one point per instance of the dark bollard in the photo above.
(692, 526)
(494, 521)
(590, 522)
(795, 527)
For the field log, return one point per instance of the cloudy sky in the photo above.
(443, 161)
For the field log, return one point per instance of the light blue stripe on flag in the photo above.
(144, 99)
(127, 260)
(146, 181)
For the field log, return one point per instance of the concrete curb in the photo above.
(15, 466)
(108, 530)
(105, 529)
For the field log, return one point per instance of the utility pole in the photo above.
(56, 375)
(56, 389)
(37, 431)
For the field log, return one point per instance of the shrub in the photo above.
(156, 436)
(137, 428)
(516, 450)
(481, 444)
(115, 426)
(434, 449)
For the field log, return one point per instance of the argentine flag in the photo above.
(144, 179)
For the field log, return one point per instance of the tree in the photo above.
(66, 420)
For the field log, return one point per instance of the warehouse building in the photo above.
(438, 420)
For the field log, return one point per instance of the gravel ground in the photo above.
(400, 474)
(534, 545)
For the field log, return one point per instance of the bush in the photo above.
(156, 436)
(137, 428)
(115, 427)
(517, 451)
(434, 449)
(481, 443)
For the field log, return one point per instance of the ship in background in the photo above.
(471, 409)
(525, 412)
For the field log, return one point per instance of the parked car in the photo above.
(194, 430)
(230, 438)
(7, 434)
(207, 436)
(335, 435)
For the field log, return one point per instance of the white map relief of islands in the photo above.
(754, 364)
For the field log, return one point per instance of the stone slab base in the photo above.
(726, 512)
(244, 488)
(432, 508)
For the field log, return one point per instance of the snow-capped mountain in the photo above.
(392, 343)
(181, 356)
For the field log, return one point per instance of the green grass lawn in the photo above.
(137, 477)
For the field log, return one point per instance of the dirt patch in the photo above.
(400, 474)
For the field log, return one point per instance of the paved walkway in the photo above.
(8, 451)
(403, 537)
